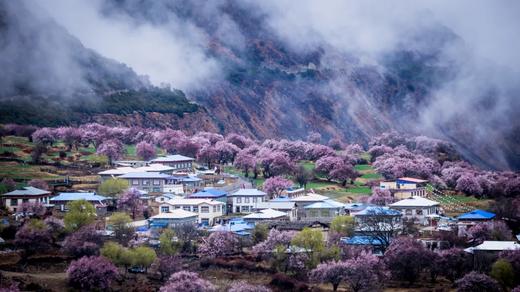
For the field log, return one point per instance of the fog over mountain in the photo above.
(350, 69)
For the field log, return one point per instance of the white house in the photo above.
(206, 210)
(306, 200)
(172, 219)
(324, 211)
(266, 214)
(279, 205)
(416, 208)
(245, 200)
(13, 200)
(405, 187)
(178, 162)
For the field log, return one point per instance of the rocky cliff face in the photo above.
(269, 88)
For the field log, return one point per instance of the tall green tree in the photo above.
(143, 256)
(343, 225)
(80, 213)
(112, 187)
(167, 244)
(120, 223)
(312, 243)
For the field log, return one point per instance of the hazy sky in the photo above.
(173, 52)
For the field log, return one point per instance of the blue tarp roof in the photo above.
(361, 240)
(78, 196)
(477, 215)
(159, 224)
(209, 193)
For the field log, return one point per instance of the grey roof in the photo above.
(145, 175)
(27, 191)
(277, 205)
(327, 204)
(248, 192)
(172, 158)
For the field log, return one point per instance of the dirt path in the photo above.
(51, 281)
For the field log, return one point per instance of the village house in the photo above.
(371, 243)
(113, 173)
(207, 210)
(486, 253)
(13, 200)
(378, 220)
(324, 211)
(470, 219)
(306, 200)
(212, 194)
(178, 162)
(283, 204)
(416, 208)
(266, 215)
(238, 226)
(155, 182)
(100, 202)
(405, 187)
(175, 218)
(246, 200)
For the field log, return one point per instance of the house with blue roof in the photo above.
(236, 225)
(373, 243)
(383, 222)
(62, 199)
(477, 215)
(212, 194)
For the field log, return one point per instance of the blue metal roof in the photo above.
(209, 193)
(477, 215)
(78, 196)
(361, 240)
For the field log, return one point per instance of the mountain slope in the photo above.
(50, 78)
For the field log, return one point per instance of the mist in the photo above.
(173, 43)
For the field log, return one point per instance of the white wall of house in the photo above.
(207, 213)
(13, 204)
(245, 204)
(417, 213)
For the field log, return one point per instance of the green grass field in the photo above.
(363, 167)
(23, 171)
(308, 165)
(371, 176)
(359, 190)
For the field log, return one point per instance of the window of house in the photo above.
(419, 212)
(408, 212)
(313, 213)
(245, 208)
(204, 209)
(165, 209)
(25, 200)
(135, 182)
(146, 182)
(14, 202)
(156, 190)
(325, 213)
(246, 200)
(239, 200)
(186, 208)
(214, 209)
(196, 209)
(255, 199)
(157, 182)
(218, 208)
